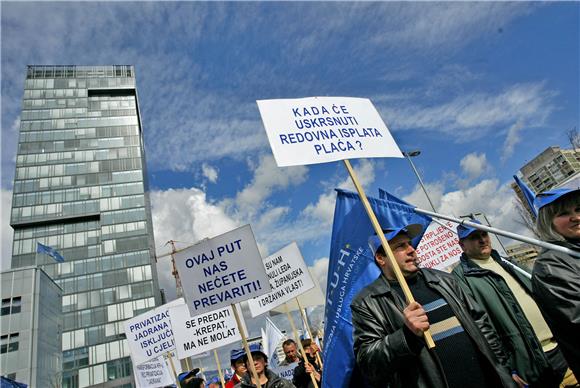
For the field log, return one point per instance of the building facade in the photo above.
(523, 254)
(81, 188)
(31, 326)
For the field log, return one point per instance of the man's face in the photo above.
(405, 256)
(240, 367)
(477, 245)
(259, 362)
(290, 352)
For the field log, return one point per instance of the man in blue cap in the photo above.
(238, 365)
(388, 333)
(267, 378)
(506, 295)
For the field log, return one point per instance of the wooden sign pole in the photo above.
(246, 347)
(385, 244)
(300, 344)
(219, 367)
(305, 319)
(173, 369)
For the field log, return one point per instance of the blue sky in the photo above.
(479, 88)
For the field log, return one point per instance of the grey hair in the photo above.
(546, 215)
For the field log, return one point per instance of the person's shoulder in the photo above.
(435, 274)
(367, 291)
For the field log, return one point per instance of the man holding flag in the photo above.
(388, 341)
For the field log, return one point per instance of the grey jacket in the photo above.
(556, 288)
(385, 356)
(274, 381)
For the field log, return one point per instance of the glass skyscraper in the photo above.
(81, 188)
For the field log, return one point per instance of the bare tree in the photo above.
(526, 218)
(573, 137)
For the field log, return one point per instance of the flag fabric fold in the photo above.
(50, 251)
(273, 337)
(351, 268)
(528, 195)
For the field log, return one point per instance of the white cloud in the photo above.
(320, 270)
(211, 173)
(7, 235)
(267, 179)
(475, 114)
(513, 137)
(419, 199)
(474, 165)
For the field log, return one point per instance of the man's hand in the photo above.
(310, 370)
(519, 381)
(416, 318)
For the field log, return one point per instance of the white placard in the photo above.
(204, 332)
(220, 271)
(311, 298)
(286, 372)
(439, 247)
(153, 373)
(289, 277)
(324, 129)
(149, 334)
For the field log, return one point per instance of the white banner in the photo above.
(149, 335)
(198, 334)
(153, 374)
(439, 247)
(324, 129)
(311, 298)
(220, 271)
(289, 277)
(286, 372)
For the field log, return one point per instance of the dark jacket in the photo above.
(556, 287)
(385, 356)
(519, 340)
(274, 381)
(302, 379)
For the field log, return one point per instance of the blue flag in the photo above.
(40, 248)
(351, 268)
(528, 195)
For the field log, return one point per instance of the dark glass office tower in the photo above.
(81, 188)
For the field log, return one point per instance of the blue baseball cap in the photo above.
(463, 231)
(412, 230)
(547, 197)
(236, 354)
(183, 375)
(257, 348)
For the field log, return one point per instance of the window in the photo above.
(11, 305)
(9, 343)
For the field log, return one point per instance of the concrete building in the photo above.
(81, 188)
(31, 326)
(524, 254)
(552, 168)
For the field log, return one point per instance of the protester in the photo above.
(506, 296)
(291, 351)
(388, 335)
(238, 365)
(556, 275)
(304, 370)
(189, 380)
(267, 378)
(214, 383)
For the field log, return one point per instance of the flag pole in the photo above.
(504, 233)
(305, 319)
(168, 354)
(377, 227)
(246, 346)
(300, 344)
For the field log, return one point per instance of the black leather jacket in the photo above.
(556, 288)
(383, 353)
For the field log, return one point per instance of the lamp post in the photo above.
(409, 155)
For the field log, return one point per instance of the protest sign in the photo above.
(149, 335)
(152, 374)
(439, 247)
(198, 334)
(286, 371)
(221, 271)
(311, 298)
(289, 277)
(324, 129)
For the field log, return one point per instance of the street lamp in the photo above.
(409, 155)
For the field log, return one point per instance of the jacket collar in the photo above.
(382, 286)
(470, 267)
